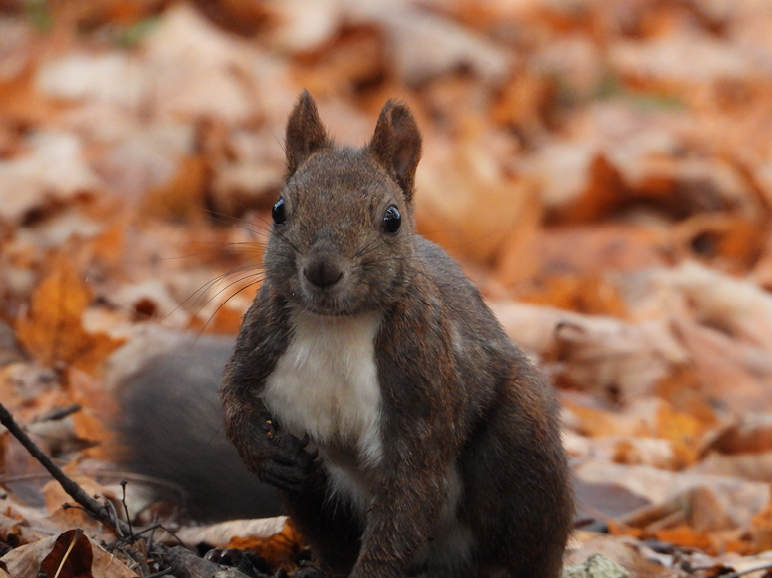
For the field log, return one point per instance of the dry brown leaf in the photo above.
(182, 197)
(459, 189)
(590, 294)
(734, 305)
(422, 46)
(729, 241)
(741, 500)
(24, 561)
(595, 251)
(683, 58)
(52, 328)
(73, 517)
(354, 57)
(700, 508)
(220, 534)
(602, 194)
(751, 433)
(53, 170)
(200, 71)
(71, 556)
(96, 403)
(756, 467)
(727, 369)
(618, 360)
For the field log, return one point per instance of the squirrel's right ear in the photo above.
(305, 133)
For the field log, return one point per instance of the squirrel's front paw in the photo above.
(282, 459)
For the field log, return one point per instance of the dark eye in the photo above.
(391, 219)
(278, 212)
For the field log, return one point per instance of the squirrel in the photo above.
(373, 387)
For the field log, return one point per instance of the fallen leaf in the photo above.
(756, 467)
(279, 549)
(219, 535)
(24, 561)
(73, 516)
(71, 556)
(459, 189)
(619, 360)
(741, 500)
(53, 169)
(52, 329)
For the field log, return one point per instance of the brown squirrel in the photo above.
(376, 390)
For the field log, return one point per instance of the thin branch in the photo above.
(92, 506)
(60, 413)
(126, 508)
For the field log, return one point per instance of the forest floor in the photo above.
(601, 169)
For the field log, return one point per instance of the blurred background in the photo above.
(602, 170)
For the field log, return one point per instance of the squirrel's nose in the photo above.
(322, 273)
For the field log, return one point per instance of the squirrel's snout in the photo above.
(322, 273)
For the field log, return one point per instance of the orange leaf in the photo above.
(52, 331)
(683, 430)
(685, 536)
(278, 550)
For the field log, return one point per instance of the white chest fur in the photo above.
(326, 383)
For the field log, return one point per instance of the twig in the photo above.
(92, 506)
(126, 508)
(60, 413)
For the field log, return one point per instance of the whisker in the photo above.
(223, 304)
(229, 285)
(208, 285)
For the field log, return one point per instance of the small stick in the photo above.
(126, 508)
(60, 413)
(92, 506)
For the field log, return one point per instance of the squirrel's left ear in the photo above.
(396, 144)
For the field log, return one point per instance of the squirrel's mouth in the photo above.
(330, 301)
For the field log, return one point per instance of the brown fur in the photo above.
(456, 395)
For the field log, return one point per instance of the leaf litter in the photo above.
(601, 169)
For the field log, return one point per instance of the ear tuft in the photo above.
(396, 144)
(305, 133)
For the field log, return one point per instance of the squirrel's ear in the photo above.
(396, 144)
(305, 133)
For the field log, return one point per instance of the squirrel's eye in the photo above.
(391, 219)
(278, 212)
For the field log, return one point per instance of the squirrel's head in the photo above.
(341, 241)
